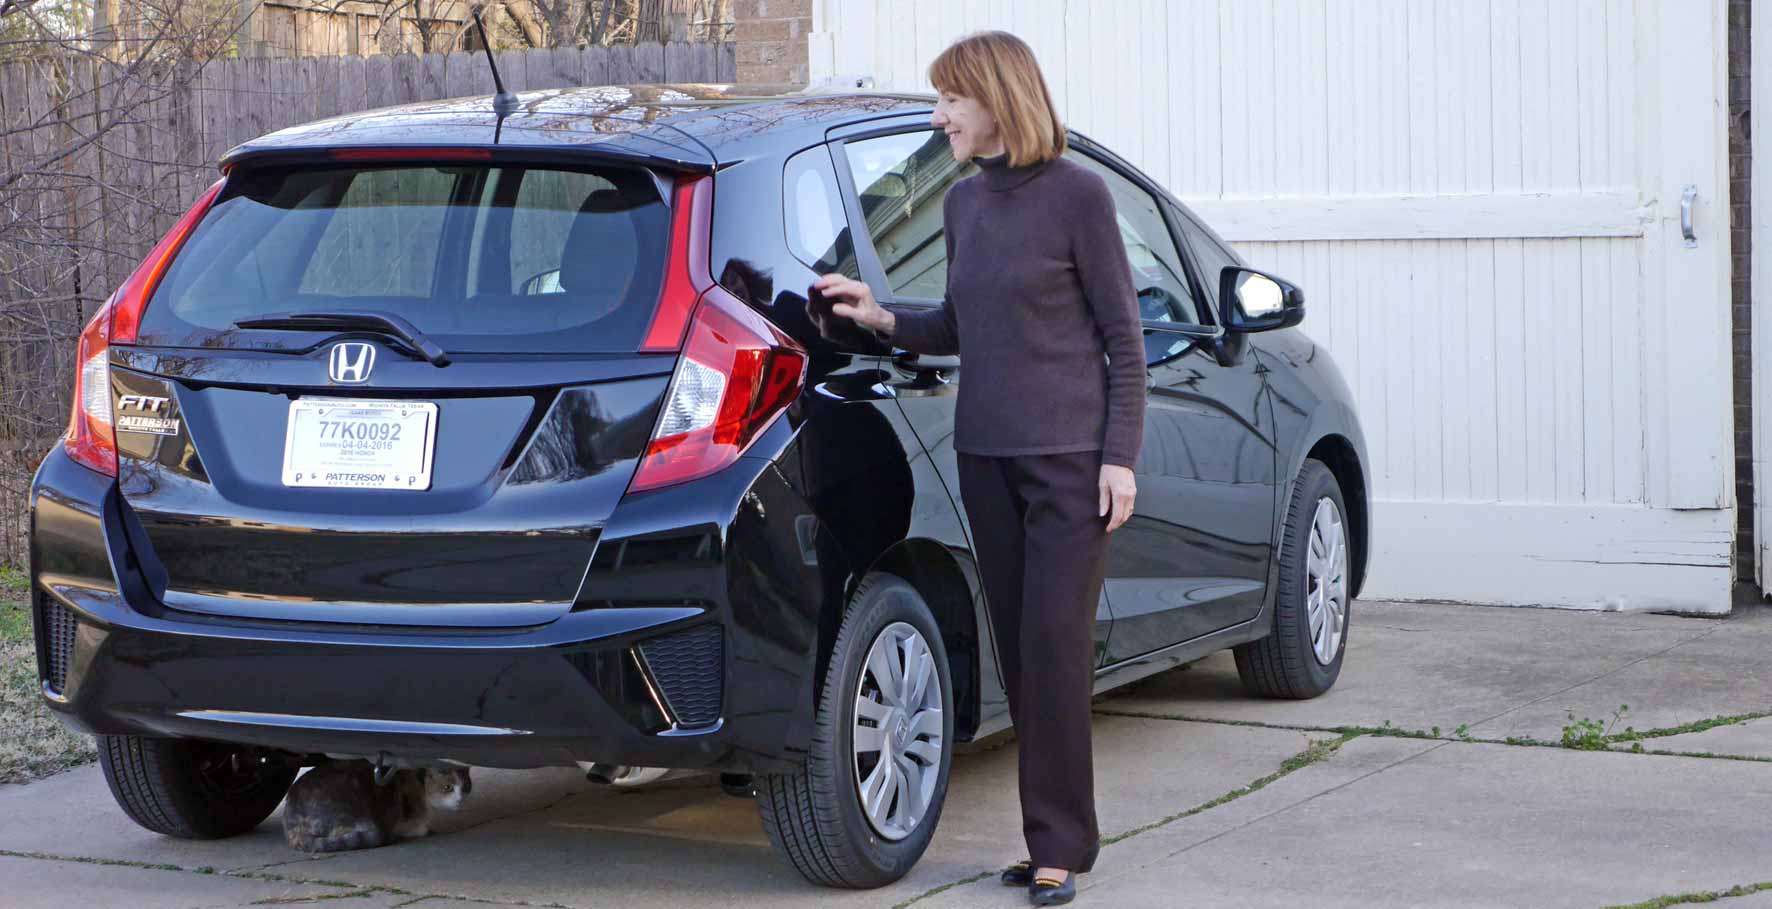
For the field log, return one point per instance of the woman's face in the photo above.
(971, 130)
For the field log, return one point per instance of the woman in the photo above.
(1037, 280)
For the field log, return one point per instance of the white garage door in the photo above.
(1482, 202)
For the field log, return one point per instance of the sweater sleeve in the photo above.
(1106, 276)
(931, 331)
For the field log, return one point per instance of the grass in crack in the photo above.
(1702, 896)
(1589, 734)
(1696, 726)
(1578, 736)
(32, 743)
(297, 900)
(1317, 751)
(946, 887)
(92, 860)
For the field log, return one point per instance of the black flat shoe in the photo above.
(1021, 874)
(1045, 891)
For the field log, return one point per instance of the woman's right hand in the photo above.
(854, 300)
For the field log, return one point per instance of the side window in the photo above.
(901, 180)
(1157, 273)
(813, 214)
(1208, 250)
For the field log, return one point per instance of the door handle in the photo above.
(1687, 197)
(925, 362)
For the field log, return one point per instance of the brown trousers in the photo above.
(1041, 542)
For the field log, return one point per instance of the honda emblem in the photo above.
(351, 361)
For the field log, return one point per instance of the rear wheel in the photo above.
(864, 807)
(1302, 657)
(192, 789)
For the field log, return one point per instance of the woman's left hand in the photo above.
(1118, 489)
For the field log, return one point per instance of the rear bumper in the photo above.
(594, 685)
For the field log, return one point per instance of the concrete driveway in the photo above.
(1211, 798)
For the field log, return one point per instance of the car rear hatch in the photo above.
(399, 386)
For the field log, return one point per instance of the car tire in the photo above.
(816, 817)
(193, 789)
(1292, 662)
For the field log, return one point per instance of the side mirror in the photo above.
(1250, 301)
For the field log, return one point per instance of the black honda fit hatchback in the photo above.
(431, 436)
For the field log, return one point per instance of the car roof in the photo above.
(693, 126)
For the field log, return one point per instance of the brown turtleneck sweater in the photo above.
(1038, 291)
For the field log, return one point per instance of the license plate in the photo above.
(359, 444)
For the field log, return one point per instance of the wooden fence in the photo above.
(97, 160)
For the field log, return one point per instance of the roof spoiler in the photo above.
(457, 153)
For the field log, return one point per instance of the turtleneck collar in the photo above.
(999, 176)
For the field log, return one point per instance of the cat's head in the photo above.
(444, 789)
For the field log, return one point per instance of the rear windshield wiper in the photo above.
(382, 322)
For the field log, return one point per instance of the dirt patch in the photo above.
(32, 743)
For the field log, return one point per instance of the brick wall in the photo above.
(771, 38)
(1740, 245)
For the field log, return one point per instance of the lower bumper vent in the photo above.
(689, 669)
(59, 628)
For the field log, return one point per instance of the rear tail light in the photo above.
(736, 374)
(686, 266)
(91, 439)
(737, 371)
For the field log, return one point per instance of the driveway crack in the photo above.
(1701, 896)
(355, 889)
(1281, 810)
(1317, 751)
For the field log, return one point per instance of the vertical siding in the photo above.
(1488, 369)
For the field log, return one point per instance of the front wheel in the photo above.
(864, 807)
(192, 789)
(1302, 657)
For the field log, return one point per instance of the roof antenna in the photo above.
(504, 103)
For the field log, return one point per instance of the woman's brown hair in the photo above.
(998, 70)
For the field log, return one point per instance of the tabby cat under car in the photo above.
(339, 807)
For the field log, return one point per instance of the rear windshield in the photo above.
(479, 258)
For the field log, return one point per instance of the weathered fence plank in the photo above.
(619, 68)
(594, 66)
(726, 60)
(513, 68)
(459, 70)
(649, 63)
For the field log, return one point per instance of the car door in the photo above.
(897, 176)
(1194, 557)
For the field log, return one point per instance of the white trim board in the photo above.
(1610, 557)
(1437, 217)
(1760, 220)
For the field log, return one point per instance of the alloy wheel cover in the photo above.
(1325, 581)
(896, 731)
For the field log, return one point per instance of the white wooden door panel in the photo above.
(1481, 201)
